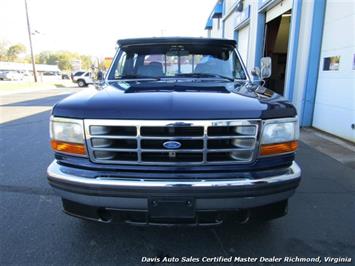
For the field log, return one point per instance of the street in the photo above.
(34, 230)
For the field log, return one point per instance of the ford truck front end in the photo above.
(176, 133)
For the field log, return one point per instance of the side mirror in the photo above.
(255, 72)
(265, 67)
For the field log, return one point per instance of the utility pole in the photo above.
(31, 48)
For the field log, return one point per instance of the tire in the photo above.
(82, 83)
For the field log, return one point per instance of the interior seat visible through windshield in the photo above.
(153, 69)
(176, 61)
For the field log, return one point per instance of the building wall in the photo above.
(334, 109)
(228, 4)
(216, 31)
(243, 43)
(329, 96)
(229, 25)
(242, 32)
(253, 25)
(303, 45)
(27, 67)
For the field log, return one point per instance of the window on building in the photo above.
(331, 63)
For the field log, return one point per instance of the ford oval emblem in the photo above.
(172, 145)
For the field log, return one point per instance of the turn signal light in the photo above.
(271, 149)
(68, 147)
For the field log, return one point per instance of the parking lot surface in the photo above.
(34, 230)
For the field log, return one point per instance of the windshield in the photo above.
(176, 61)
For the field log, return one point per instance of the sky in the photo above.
(93, 26)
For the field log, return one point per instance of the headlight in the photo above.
(245, 130)
(279, 132)
(67, 135)
(279, 136)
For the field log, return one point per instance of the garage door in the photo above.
(243, 41)
(278, 10)
(334, 109)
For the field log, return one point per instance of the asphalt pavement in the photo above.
(34, 230)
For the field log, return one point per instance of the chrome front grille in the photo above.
(145, 142)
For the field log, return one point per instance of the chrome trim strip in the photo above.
(139, 145)
(112, 64)
(205, 144)
(55, 173)
(243, 65)
(172, 138)
(171, 150)
(166, 123)
(112, 137)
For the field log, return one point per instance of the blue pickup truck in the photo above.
(175, 133)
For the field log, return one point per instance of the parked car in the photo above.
(162, 144)
(65, 76)
(77, 73)
(11, 75)
(51, 73)
(82, 78)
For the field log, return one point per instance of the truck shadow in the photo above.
(45, 101)
(225, 240)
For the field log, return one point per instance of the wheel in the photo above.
(81, 83)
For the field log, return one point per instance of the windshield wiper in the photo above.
(132, 76)
(203, 75)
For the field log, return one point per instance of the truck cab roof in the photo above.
(177, 40)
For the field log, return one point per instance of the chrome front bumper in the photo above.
(124, 193)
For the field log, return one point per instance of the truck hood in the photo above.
(166, 101)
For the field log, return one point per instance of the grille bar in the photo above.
(107, 141)
(180, 150)
(166, 137)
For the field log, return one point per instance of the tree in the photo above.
(43, 57)
(64, 59)
(14, 51)
(3, 50)
(85, 61)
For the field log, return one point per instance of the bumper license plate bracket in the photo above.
(171, 208)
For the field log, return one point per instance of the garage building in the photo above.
(312, 46)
